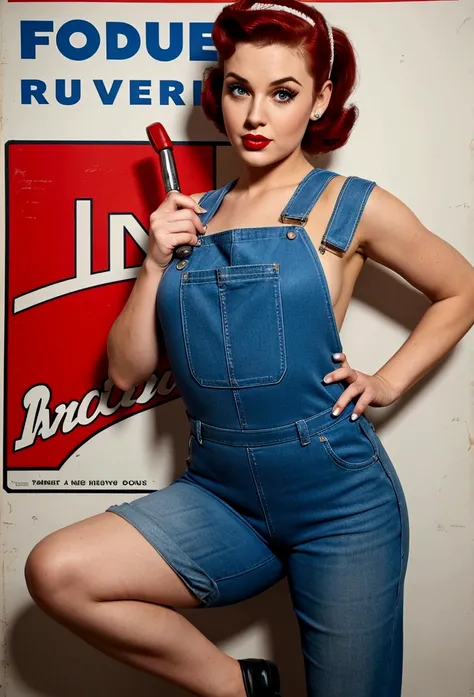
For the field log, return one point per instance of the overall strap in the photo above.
(346, 213)
(305, 196)
(211, 201)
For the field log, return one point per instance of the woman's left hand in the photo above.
(373, 389)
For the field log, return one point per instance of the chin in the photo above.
(260, 158)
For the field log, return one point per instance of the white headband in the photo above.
(310, 20)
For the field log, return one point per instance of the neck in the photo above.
(286, 172)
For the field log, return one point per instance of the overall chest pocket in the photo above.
(232, 323)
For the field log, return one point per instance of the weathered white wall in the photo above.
(415, 137)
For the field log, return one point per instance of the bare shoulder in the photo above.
(334, 186)
(392, 235)
(331, 192)
(388, 222)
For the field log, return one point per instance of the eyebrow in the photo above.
(275, 82)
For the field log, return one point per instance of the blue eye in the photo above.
(288, 94)
(234, 87)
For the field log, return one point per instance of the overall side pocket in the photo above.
(349, 444)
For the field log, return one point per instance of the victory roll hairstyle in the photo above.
(327, 50)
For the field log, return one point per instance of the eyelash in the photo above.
(290, 94)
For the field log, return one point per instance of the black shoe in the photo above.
(261, 677)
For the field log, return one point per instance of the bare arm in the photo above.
(392, 235)
(132, 343)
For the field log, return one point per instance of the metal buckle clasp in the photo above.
(286, 219)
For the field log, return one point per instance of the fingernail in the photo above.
(327, 379)
(205, 228)
(203, 210)
(336, 411)
(198, 243)
(337, 356)
(354, 417)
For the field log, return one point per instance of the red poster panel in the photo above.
(77, 224)
(130, 2)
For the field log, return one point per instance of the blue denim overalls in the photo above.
(275, 485)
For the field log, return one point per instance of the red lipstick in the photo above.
(252, 142)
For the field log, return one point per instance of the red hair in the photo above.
(236, 23)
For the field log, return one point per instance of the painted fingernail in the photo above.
(336, 411)
(354, 417)
(327, 379)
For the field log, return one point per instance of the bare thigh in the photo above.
(104, 558)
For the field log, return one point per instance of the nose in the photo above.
(256, 115)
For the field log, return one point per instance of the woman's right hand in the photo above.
(174, 222)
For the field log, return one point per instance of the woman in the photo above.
(286, 475)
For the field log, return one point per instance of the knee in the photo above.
(51, 573)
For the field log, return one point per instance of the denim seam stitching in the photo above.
(258, 379)
(225, 327)
(348, 465)
(315, 198)
(327, 232)
(359, 214)
(325, 289)
(240, 408)
(250, 568)
(260, 492)
(403, 534)
(255, 444)
(279, 317)
(402, 526)
(185, 332)
(259, 272)
(286, 439)
(210, 240)
(287, 425)
(296, 192)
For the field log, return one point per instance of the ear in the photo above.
(322, 100)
